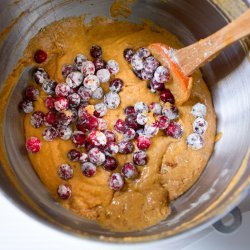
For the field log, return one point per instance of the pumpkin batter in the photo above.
(172, 167)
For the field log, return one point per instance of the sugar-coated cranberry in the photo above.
(116, 182)
(139, 132)
(143, 53)
(74, 100)
(111, 148)
(128, 54)
(102, 124)
(103, 75)
(61, 103)
(37, 119)
(91, 82)
(79, 60)
(151, 130)
(74, 79)
(96, 156)
(163, 122)
(78, 138)
(137, 73)
(88, 68)
(88, 169)
(113, 67)
(49, 86)
(174, 130)
(96, 51)
(170, 111)
(145, 75)
(112, 100)
(110, 135)
(116, 85)
(125, 147)
(140, 158)
(161, 74)
(199, 110)
(143, 142)
(97, 138)
(98, 93)
(65, 171)
(50, 118)
(62, 89)
(195, 141)
(26, 106)
(167, 96)
(84, 93)
(120, 126)
(136, 62)
(141, 107)
(99, 64)
(110, 163)
(49, 103)
(82, 113)
(150, 64)
(64, 191)
(40, 56)
(33, 144)
(131, 122)
(67, 69)
(141, 118)
(31, 93)
(64, 132)
(156, 108)
(100, 109)
(157, 86)
(129, 110)
(129, 134)
(65, 118)
(40, 75)
(200, 126)
(74, 155)
(129, 171)
(50, 133)
(92, 123)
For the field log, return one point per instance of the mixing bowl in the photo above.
(227, 176)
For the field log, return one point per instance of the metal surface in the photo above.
(223, 183)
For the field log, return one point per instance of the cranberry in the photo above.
(163, 122)
(125, 147)
(129, 134)
(111, 149)
(62, 90)
(100, 109)
(129, 171)
(156, 108)
(167, 96)
(112, 100)
(97, 138)
(67, 69)
(161, 74)
(82, 113)
(92, 123)
(26, 106)
(139, 132)
(116, 85)
(96, 51)
(102, 124)
(130, 110)
(170, 111)
(140, 158)
(150, 64)
(65, 171)
(91, 82)
(64, 132)
(50, 119)
(98, 93)
(89, 146)
(103, 75)
(143, 142)
(88, 169)
(49, 103)
(61, 103)
(199, 110)
(49, 134)
(128, 54)
(145, 75)
(84, 93)
(120, 126)
(174, 130)
(37, 119)
(49, 86)
(157, 86)
(130, 121)
(195, 141)
(141, 107)
(74, 100)
(78, 138)
(40, 56)
(110, 163)
(31, 93)
(74, 155)
(79, 60)
(136, 62)
(33, 145)
(40, 75)
(65, 118)
(74, 79)
(110, 135)
(116, 182)
(200, 126)
(141, 118)
(143, 53)
(88, 68)
(137, 73)
(113, 67)
(99, 64)
(151, 130)
(64, 191)
(96, 156)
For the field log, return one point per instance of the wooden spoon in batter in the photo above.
(183, 62)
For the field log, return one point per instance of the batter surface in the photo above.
(172, 167)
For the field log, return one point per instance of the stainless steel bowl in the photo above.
(225, 180)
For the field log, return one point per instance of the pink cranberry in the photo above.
(50, 118)
(40, 75)
(49, 103)
(61, 103)
(64, 191)
(129, 134)
(74, 100)
(110, 163)
(40, 56)
(150, 64)
(113, 67)
(74, 155)
(79, 61)
(26, 106)
(97, 138)
(140, 158)
(125, 147)
(37, 119)
(62, 90)
(49, 86)
(49, 134)
(91, 82)
(74, 79)
(67, 69)
(136, 63)
(110, 135)
(116, 182)
(174, 130)
(102, 124)
(65, 171)
(112, 100)
(99, 64)
(161, 74)
(156, 108)
(33, 145)
(167, 96)
(96, 156)
(157, 86)
(64, 132)
(96, 51)
(103, 75)
(88, 68)
(143, 53)
(130, 110)
(78, 138)
(84, 93)
(143, 142)
(163, 122)
(151, 130)
(88, 169)
(116, 85)
(120, 126)
(129, 171)
(31, 93)
(111, 149)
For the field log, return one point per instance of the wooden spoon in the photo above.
(183, 62)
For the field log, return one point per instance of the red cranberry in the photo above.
(79, 61)
(174, 130)
(130, 110)
(163, 122)
(50, 103)
(40, 75)
(161, 74)
(99, 64)
(158, 86)
(129, 171)
(74, 79)
(33, 145)
(129, 134)
(116, 182)
(82, 113)
(96, 51)
(100, 109)
(128, 54)
(156, 108)
(88, 169)
(91, 123)
(84, 93)
(74, 100)
(50, 119)
(91, 82)
(67, 69)
(113, 67)
(120, 126)
(110, 163)
(78, 138)
(26, 106)
(116, 85)
(141, 107)
(61, 103)
(40, 56)
(31, 93)
(112, 100)
(65, 118)
(81, 125)
(130, 121)
(136, 63)
(111, 149)
(49, 134)
(151, 130)
(49, 86)
(64, 132)
(125, 147)
(150, 64)
(89, 146)
(110, 135)
(143, 142)
(64, 191)
(142, 118)
(167, 96)
(65, 171)
(97, 138)
(140, 158)
(62, 89)
(74, 155)
(102, 124)
(96, 156)
(143, 53)
(37, 119)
